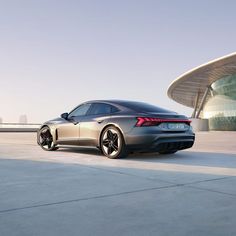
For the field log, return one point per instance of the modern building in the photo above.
(210, 90)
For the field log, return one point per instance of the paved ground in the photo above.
(77, 191)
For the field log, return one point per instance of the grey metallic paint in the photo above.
(86, 130)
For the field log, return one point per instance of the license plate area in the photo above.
(171, 126)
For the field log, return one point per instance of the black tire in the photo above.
(45, 139)
(168, 152)
(112, 143)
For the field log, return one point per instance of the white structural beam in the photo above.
(202, 101)
(195, 105)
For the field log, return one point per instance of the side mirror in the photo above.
(64, 115)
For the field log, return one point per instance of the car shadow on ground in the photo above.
(187, 157)
(132, 156)
(181, 157)
(81, 150)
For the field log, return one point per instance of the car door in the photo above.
(68, 132)
(92, 124)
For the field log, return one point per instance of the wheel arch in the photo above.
(52, 130)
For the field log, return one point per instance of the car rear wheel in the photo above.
(45, 140)
(112, 143)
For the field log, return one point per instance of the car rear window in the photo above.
(144, 107)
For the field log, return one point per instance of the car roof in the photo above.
(113, 101)
(136, 106)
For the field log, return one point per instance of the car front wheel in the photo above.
(45, 139)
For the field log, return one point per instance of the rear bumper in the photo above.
(180, 143)
(160, 141)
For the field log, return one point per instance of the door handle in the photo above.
(100, 121)
(75, 123)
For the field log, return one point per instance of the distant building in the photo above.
(23, 119)
(210, 90)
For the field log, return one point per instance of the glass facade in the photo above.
(221, 107)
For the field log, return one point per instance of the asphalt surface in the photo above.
(77, 191)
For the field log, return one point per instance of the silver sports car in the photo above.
(118, 127)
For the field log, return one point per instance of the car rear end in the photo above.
(160, 133)
(149, 128)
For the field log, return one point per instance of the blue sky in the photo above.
(57, 54)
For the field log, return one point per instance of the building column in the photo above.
(202, 101)
(195, 105)
(211, 91)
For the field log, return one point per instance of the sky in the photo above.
(55, 54)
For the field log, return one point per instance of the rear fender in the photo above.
(124, 124)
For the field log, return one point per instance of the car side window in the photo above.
(114, 109)
(80, 111)
(102, 108)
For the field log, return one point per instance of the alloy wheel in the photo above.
(111, 142)
(46, 139)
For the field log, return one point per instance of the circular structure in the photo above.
(211, 90)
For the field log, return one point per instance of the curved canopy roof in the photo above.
(186, 87)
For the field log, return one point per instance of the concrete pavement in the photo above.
(77, 191)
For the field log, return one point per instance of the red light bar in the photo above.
(148, 121)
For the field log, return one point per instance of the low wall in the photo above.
(200, 124)
(18, 129)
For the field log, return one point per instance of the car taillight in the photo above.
(148, 121)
